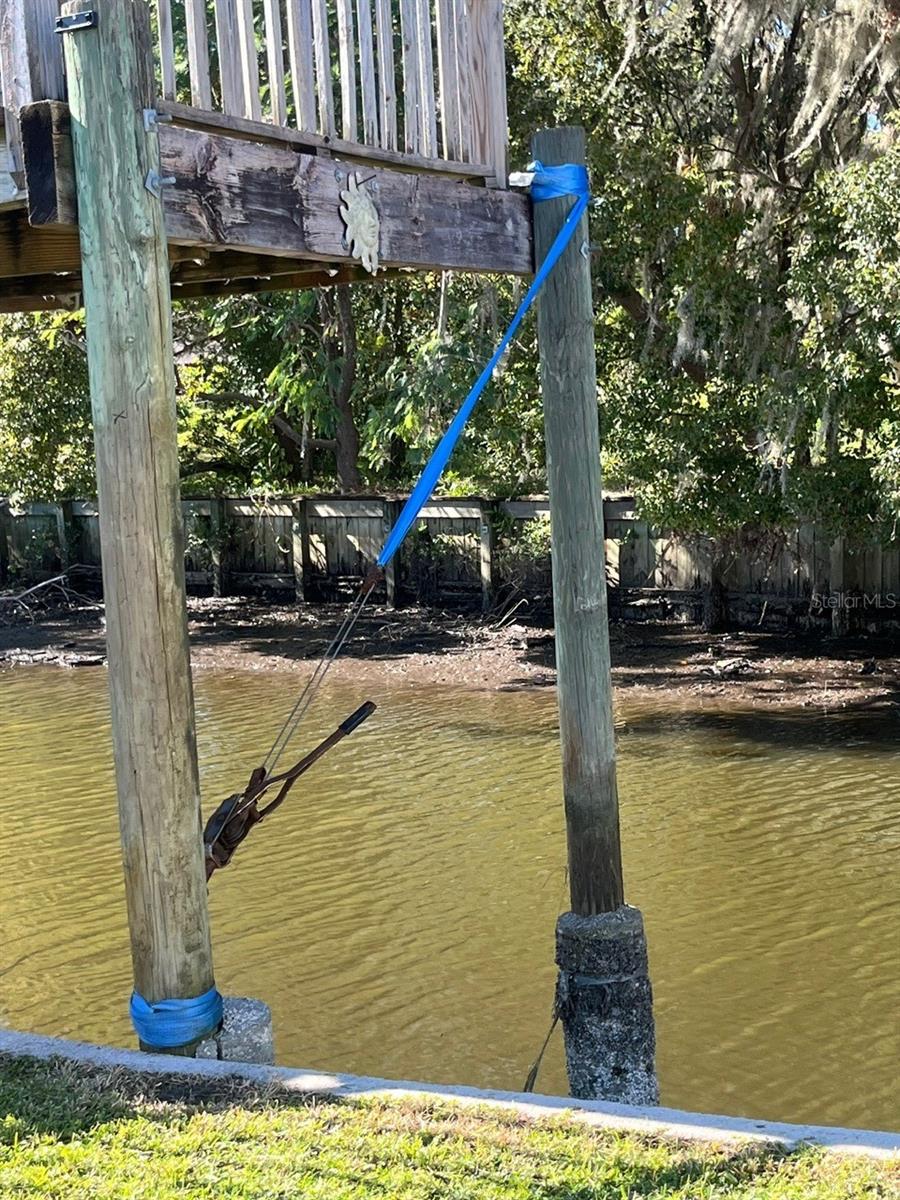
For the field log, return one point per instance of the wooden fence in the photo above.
(462, 552)
(415, 81)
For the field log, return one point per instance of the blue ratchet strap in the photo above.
(172, 1023)
(549, 183)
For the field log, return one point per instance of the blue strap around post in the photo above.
(549, 183)
(173, 1023)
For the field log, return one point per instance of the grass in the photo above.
(70, 1131)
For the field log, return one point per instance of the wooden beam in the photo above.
(28, 251)
(571, 425)
(30, 62)
(49, 169)
(27, 304)
(280, 283)
(35, 286)
(130, 360)
(269, 200)
(265, 198)
(316, 143)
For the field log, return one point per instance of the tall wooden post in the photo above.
(126, 292)
(604, 992)
(571, 431)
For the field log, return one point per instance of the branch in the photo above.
(286, 429)
(215, 466)
(631, 300)
(58, 581)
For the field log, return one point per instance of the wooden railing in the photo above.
(422, 79)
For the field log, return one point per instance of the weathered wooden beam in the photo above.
(30, 62)
(279, 283)
(265, 198)
(303, 139)
(571, 431)
(35, 286)
(269, 200)
(28, 251)
(130, 360)
(27, 304)
(49, 170)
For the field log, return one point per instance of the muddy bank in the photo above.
(416, 646)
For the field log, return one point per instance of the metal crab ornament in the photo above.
(359, 214)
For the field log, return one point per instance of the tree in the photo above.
(46, 442)
(743, 161)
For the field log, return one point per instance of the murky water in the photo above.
(398, 914)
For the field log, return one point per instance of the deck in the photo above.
(271, 117)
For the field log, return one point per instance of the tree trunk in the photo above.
(715, 599)
(340, 345)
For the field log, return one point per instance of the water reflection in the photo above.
(398, 913)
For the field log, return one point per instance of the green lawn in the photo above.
(75, 1132)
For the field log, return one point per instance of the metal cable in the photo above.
(315, 681)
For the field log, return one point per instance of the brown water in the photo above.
(398, 915)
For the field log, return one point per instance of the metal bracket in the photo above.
(152, 119)
(154, 183)
(76, 21)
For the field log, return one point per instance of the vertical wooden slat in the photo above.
(228, 42)
(486, 544)
(347, 62)
(426, 79)
(387, 82)
(323, 67)
(198, 53)
(412, 127)
(249, 60)
(367, 72)
(464, 77)
(300, 548)
(449, 80)
(488, 59)
(275, 60)
(300, 43)
(166, 47)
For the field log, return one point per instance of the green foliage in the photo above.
(746, 253)
(46, 446)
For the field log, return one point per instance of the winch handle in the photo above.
(356, 719)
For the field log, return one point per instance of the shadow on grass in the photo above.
(377, 1147)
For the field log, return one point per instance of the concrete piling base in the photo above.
(605, 1003)
(245, 1036)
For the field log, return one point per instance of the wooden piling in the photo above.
(126, 292)
(569, 384)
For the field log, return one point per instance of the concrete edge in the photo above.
(656, 1122)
